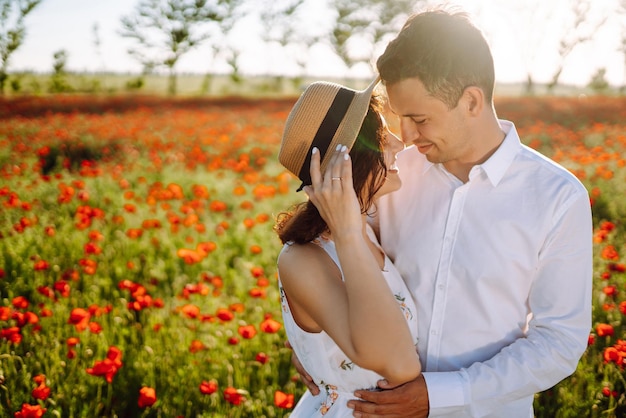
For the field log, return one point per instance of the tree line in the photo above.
(163, 31)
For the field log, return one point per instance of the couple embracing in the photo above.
(446, 273)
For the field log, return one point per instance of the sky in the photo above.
(523, 35)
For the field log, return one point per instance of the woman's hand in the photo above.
(333, 193)
(304, 376)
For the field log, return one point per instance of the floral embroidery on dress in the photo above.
(283, 299)
(331, 397)
(346, 365)
(407, 311)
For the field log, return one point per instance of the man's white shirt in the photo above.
(500, 269)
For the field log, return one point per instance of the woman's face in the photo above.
(393, 146)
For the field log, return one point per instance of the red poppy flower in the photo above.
(283, 400)
(270, 326)
(41, 392)
(5, 313)
(147, 397)
(262, 358)
(217, 206)
(41, 265)
(62, 287)
(92, 248)
(246, 204)
(12, 334)
(109, 366)
(237, 307)
(189, 256)
(134, 233)
(618, 267)
(591, 340)
(190, 311)
(609, 253)
(233, 396)
(247, 331)
(20, 302)
(610, 290)
(225, 314)
(612, 354)
(79, 317)
(262, 217)
(255, 292)
(207, 388)
(95, 235)
(196, 345)
(604, 330)
(30, 411)
(257, 272)
(95, 328)
(89, 266)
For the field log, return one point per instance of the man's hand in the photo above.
(409, 400)
(304, 376)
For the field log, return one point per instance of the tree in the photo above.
(524, 15)
(58, 82)
(281, 26)
(598, 82)
(12, 31)
(233, 12)
(580, 31)
(165, 30)
(622, 14)
(97, 44)
(366, 25)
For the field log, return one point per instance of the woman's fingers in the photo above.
(314, 169)
(334, 169)
(346, 168)
(332, 192)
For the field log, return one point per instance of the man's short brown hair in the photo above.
(445, 51)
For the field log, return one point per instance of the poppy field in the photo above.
(137, 254)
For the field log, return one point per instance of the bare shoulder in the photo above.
(308, 276)
(302, 260)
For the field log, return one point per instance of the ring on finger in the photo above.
(336, 178)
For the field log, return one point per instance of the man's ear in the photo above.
(474, 100)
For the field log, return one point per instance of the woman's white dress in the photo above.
(334, 373)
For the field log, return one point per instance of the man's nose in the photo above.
(409, 132)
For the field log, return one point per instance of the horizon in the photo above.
(69, 25)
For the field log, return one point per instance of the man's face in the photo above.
(426, 122)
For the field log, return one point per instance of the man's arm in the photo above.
(560, 300)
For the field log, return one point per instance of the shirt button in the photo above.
(433, 332)
(440, 287)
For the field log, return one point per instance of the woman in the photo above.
(347, 313)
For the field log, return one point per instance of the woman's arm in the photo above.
(359, 313)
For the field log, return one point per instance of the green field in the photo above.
(137, 255)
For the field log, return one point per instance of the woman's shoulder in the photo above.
(304, 259)
(298, 253)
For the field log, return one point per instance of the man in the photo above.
(492, 239)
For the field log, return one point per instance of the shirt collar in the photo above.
(501, 160)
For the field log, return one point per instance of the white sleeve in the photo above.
(560, 302)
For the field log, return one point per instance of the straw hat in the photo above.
(325, 115)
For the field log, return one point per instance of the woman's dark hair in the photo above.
(303, 222)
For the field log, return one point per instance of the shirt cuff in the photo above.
(446, 393)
